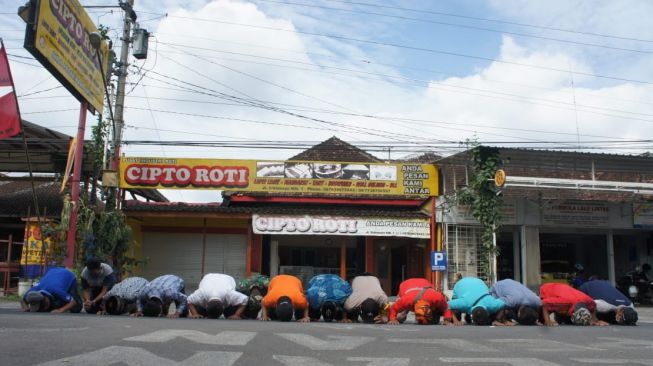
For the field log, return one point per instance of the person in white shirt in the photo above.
(215, 296)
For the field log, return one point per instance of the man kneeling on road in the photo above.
(568, 305)
(217, 295)
(56, 292)
(97, 279)
(367, 300)
(611, 305)
(522, 304)
(471, 296)
(285, 298)
(418, 295)
(326, 296)
(254, 287)
(122, 297)
(156, 297)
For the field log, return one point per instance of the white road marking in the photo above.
(618, 361)
(133, 356)
(623, 343)
(509, 361)
(334, 343)
(369, 361)
(544, 345)
(41, 330)
(454, 343)
(226, 338)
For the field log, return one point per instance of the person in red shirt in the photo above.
(418, 295)
(285, 297)
(568, 304)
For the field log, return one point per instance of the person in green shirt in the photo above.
(254, 287)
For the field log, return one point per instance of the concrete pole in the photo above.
(120, 93)
(610, 244)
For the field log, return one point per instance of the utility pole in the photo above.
(130, 16)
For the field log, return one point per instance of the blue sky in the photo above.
(515, 89)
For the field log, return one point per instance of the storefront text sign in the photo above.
(335, 178)
(61, 42)
(341, 225)
(576, 213)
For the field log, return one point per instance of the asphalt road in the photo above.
(80, 339)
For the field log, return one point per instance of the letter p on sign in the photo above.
(438, 261)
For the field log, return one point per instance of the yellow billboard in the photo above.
(61, 43)
(314, 177)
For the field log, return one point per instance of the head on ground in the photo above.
(369, 310)
(626, 316)
(480, 316)
(37, 301)
(114, 305)
(527, 315)
(153, 307)
(284, 309)
(424, 313)
(581, 315)
(214, 309)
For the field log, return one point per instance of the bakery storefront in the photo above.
(393, 248)
(299, 217)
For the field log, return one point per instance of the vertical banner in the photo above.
(9, 116)
(35, 251)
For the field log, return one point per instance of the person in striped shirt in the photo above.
(155, 298)
(123, 296)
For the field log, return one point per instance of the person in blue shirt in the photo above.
(326, 296)
(611, 305)
(155, 298)
(522, 304)
(472, 297)
(56, 292)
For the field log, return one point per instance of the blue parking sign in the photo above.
(438, 261)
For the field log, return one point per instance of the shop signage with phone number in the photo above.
(338, 178)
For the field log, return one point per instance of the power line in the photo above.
(426, 83)
(493, 20)
(461, 26)
(414, 48)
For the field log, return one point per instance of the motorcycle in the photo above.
(636, 286)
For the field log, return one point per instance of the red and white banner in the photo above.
(9, 115)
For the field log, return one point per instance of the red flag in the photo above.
(9, 115)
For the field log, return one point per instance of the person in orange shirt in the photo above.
(418, 295)
(285, 297)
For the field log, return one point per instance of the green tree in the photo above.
(481, 196)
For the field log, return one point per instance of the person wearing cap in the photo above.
(284, 299)
(97, 279)
(418, 295)
(471, 296)
(122, 297)
(611, 305)
(155, 298)
(568, 304)
(366, 301)
(521, 304)
(217, 295)
(56, 292)
(326, 296)
(254, 287)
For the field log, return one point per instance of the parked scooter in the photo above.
(636, 285)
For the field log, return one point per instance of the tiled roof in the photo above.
(16, 198)
(134, 207)
(558, 164)
(335, 149)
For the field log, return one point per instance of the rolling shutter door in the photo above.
(226, 254)
(170, 253)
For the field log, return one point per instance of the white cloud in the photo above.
(500, 101)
